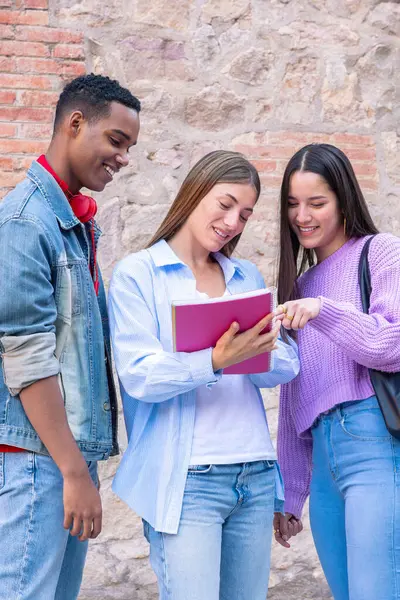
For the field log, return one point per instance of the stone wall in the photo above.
(260, 76)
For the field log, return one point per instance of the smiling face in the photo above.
(314, 214)
(222, 214)
(99, 149)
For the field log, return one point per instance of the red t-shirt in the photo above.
(11, 449)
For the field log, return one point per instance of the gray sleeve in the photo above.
(28, 358)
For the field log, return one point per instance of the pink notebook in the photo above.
(199, 324)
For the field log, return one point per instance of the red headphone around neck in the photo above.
(83, 207)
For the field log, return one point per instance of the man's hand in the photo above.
(44, 407)
(285, 527)
(82, 507)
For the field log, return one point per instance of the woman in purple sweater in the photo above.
(332, 442)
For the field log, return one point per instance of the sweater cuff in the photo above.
(294, 502)
(329, 313)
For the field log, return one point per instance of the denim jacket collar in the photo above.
(163, 256)
(54, 195)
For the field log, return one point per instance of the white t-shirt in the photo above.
(230, 424)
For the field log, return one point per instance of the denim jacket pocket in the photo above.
(69, 291)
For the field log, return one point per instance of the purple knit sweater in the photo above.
(336, 349)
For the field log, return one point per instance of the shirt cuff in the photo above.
(28, 358)
(201, 370)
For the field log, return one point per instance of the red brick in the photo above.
(69, 51)
(364, 168)
(24, 162)
(33, 98)
(5, 3)
(34, 4)
(32, 131)
(264, 166)
(350, 139)
(8, 130)
(285, 138)
(264, 151)
(7, 64)
(37, 65)
(25, 17)
(6, 163)
(51, 66)
(26, 82)
(72, 68)
(22, 147)
(368, 184)
(48, 34)
(360, 153)
(15, 113)
(17, 48)
(270, 181)
(10, 180)
(7, 97)
(6, 32)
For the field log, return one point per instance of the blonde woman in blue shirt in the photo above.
(200, 468)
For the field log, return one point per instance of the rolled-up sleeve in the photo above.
(27, 304)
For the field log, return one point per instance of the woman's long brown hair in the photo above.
(335, 168)
(220, 166)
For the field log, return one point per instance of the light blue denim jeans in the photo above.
(355, 502)
(222, 548)
(39, 559)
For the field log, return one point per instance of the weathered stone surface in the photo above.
(378, 70)
(205, 46)
(109, 218)
(139, 224)
(251, 67)
(298, 91)
(170, 157)
(214, 108)
(302, 35)
(226, 11)
(147, 57)
(174, 14)
(340, 96)
(391, 146)
(386, 16)
(93, 14)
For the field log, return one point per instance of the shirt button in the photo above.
(106, 406)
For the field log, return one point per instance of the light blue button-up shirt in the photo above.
(158, 385)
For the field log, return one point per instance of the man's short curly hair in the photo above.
(93, 94)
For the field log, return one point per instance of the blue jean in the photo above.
(222, 548)
(39, 559)
(355, 502)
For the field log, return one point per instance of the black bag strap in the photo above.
(364, 276)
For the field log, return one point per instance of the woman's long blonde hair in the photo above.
(220, 166)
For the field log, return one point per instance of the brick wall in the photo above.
(270, 152)
(35, 62)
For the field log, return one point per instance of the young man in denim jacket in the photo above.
(57, 400)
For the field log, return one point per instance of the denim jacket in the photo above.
(51, 322)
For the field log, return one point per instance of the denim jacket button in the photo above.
(106, 406)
